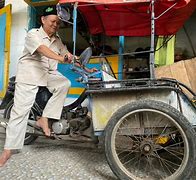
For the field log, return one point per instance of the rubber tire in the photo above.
(160, 106)
(29, 138)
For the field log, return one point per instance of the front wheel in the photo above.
(29, 138)
(150, 140)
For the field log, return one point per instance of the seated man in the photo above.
(37, 66)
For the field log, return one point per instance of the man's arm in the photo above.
(42, 49)
(86, 69)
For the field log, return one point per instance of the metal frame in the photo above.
(152, 45)
(168, 91)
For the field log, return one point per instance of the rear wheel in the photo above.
(150, 140)
(29, 138)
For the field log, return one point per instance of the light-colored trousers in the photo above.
(24, 98)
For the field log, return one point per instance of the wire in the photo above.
(165, 42)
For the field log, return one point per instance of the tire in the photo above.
(150, 140)
(29, 138)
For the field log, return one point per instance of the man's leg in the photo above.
(6, 154)
(42, 122)
(15, 132)
(59, 86)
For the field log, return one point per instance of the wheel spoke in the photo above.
(130, 160)
(152, 167)
(170, 133)
(161, 163)
(165, 163)
(174, 151)
(139, 160)
(163, 130)
(168, 162)
(135, 137)
(173, 154)
(131, 152)
(149, 143)
(153, 128)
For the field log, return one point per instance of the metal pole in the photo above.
(121, 58)
(152, 48)
(74, 27)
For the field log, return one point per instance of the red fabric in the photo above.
(133, 19)
(118, 1)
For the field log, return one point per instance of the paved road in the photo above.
(57, 160)
(47, 159)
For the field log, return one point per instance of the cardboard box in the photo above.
(183, 71)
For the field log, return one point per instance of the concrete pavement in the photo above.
(49, 159)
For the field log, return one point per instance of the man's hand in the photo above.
(90, 70)
(68, 57)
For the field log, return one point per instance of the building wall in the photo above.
(18, 31)
(182, 42)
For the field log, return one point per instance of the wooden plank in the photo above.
(183, 71)
(191, 72)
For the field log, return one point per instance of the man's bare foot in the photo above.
(6, 154)
(43, 123)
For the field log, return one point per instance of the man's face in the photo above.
(50, 24)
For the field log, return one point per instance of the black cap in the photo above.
(50, 10)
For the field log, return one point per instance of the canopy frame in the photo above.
(152, 35)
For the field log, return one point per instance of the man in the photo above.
(38, 67)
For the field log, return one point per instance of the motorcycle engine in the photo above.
(60, 127)
(72, 122)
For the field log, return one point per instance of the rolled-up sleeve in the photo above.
(32, 41)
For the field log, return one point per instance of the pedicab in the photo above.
(147, 124)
